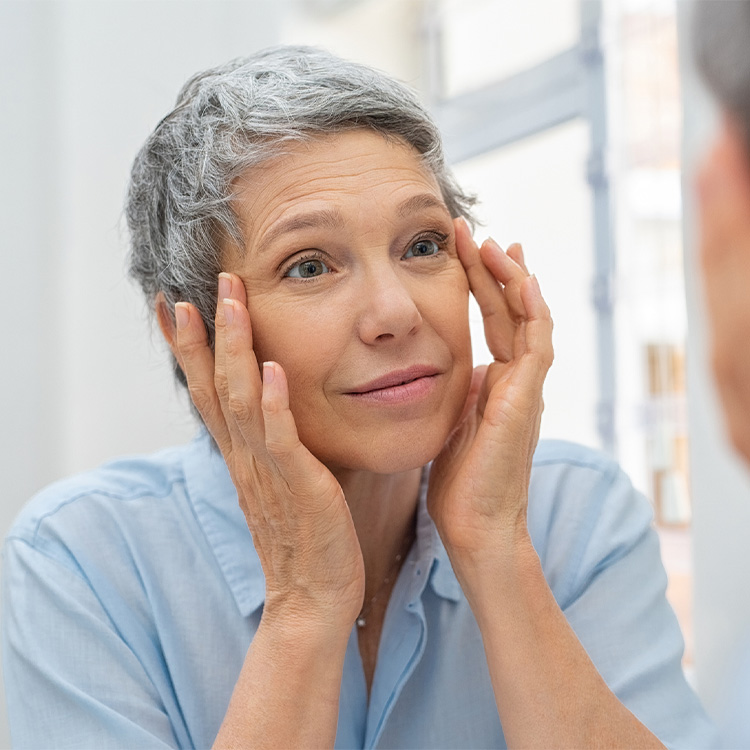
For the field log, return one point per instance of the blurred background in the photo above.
(576, 122)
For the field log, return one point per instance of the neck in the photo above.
(383, 508)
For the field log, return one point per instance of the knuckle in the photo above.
(191, 345)
(243, 477)
(239, 408)
(221, 384)
(270, 407)
(545, 360)
(277, 448)
(202, 397)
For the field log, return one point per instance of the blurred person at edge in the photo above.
(369, 548)
(721, 38)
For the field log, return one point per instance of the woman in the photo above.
(303, 245)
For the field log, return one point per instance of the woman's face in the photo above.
(355, 289)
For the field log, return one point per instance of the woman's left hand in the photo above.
(479, 482)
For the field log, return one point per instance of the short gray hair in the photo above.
(721, 31)
(234, 117)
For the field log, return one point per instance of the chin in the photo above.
(390, 454)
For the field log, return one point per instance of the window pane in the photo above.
(535, 192)
(487, 40)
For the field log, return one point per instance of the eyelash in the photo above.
(312, 255)
(439, 238)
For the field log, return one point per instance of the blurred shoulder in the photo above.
(563, 452)
(584, 512)
(78, 501)
(561, 468)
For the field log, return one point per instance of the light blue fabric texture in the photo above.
(734, 702)
(131, 594)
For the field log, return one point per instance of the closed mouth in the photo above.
(396, 378)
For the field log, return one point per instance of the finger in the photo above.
(523, 382)
(230, 287)
(539, 352)
(295, 463)
(243, 385)
(498, 325)
(281, 436)
(509, 273)
(197, 362)
(221, 381)
(477, 378)
(515, 251)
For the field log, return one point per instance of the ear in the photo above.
(165, 317)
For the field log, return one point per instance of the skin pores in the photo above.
(354, 287)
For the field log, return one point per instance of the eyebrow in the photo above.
(420, 202)
(328, 218)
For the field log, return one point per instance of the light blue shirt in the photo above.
(734, 703)
(131, 594)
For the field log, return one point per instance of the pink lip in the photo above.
(400, 386)
(397, 378)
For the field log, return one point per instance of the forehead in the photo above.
(356, 170)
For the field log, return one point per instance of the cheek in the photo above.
(286, 333)
(452, 323)
(453, 312)
(305, 346)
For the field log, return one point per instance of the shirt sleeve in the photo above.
(610, 583)
(71, 679)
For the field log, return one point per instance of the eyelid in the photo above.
(431, 234)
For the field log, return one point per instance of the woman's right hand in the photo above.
(295, 509)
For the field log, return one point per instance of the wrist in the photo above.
(504, 570)
(311, 621)
(491, 542)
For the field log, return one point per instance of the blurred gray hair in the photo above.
(721, 41)
(231, 118)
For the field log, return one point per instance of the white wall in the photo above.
(720, 484)
(81, 85)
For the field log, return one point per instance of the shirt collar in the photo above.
(431, 551)
(214, 500)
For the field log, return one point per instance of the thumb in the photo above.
(475, 388)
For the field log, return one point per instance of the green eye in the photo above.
(307, 269)
(422, 248)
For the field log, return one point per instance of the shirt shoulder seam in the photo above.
(87, 493)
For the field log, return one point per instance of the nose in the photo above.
(387, 309)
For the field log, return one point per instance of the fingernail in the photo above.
(182, 315)
(225, 285)
(269, 373)
(494, 244)
(228, 311)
